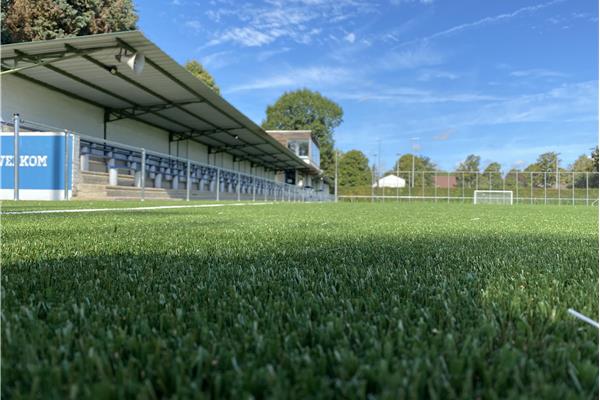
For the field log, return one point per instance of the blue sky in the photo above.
(506, 80)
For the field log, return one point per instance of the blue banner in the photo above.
(42, 161)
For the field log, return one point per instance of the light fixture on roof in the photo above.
(134, 61)
(236, 137)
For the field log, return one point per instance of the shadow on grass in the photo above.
(423, 316)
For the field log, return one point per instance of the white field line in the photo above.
(87, 210)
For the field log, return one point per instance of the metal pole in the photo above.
(239, 186)
(218, 186)
(558, 184)
(531, 188)
(143, 173)
(517, 185)
(188, 182)
(448, 184)
(587, 188)
(67, 160)
(545, 182)
(435, 186)
(17, 125)
(398, 187)
(573, 187)
(412, 175)
(423, 185)
(253, 188)
(463, 187)
(336, 177)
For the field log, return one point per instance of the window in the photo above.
(300, 147)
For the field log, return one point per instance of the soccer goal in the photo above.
(493, 197)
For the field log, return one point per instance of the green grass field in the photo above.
(394, 300)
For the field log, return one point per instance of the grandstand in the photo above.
(141, 125)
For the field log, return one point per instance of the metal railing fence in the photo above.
(183, 178)
(528, 187)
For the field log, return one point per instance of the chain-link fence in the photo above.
(105, 169)
(527, 187)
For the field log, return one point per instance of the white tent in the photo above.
(390, 181)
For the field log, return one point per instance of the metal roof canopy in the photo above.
(165, 95)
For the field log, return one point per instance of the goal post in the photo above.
(493, 197)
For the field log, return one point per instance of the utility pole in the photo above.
(415, 147)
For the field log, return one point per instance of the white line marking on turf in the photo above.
(583, 318)
(85, 210)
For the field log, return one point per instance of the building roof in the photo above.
(164, 95)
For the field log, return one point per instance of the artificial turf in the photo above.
(391, 300)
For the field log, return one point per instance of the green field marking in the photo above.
(393, 300)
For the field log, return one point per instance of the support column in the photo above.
(17, 126)
(158, 180)
(113, 173)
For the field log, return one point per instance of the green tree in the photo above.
(199, 72)
(470, 167)
(403, 167)
(491, 177)
(583, 164)
(305, 109)
(27, 20)
(544, 169)
(594, 176)
(353, 169)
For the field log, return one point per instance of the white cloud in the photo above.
(408, 95)
(486, 21)
(537, 73)
(350, 38)
(428, 75)
(407, 59)
(245, 36)
(300, 21)
(193, 24)
(299, 77)
(219, 59)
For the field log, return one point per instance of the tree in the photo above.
(305, 109)
(544, 169)
(199, 72)
(27, 20)
(403, 166)
(353, 169)
(583, 164)
(491, 177)
(594, 177)
(470, 167)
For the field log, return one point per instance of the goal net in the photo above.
(493, 197)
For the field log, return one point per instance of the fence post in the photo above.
(66, 172)
(188, 182)
(435, 186)
(587, 188)
(558, 185)
(463, 186)
(239, 186)
(517, 186)
(531, 188)
(143, 177)
(17, 127)
(573, 187)
(448, 184)
(218, 185)
(423, 185)
(545, 184)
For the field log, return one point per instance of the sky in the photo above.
(506, 80)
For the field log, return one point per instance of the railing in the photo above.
(559, 188)
(183, 178)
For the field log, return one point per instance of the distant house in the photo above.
(390, 181)
(445, 181)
